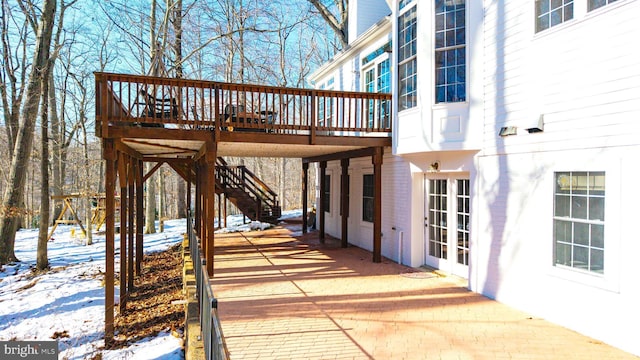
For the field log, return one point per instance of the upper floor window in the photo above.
(450, 51)
(407, 60)
(578, 220)
(550, 13)
(594, 4)
(378, 79)
(403, 3)
(325, 105)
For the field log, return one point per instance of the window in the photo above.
(463, 212)
(450, 51)
(326, 200)
(325, 105)
(578, 222)
(367, 198)
(550, 13)
(438, 242)
(407, 60)
(378, 79)
(594, 4)
(403, 3)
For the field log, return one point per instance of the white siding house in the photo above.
(516, 139)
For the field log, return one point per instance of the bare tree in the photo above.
(13, 71)
(24, 136)
(42, 261)
(337, 19)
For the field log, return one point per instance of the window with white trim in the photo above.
(325, 105)
(377, 79)
(367, 197)
(595, 4)
(550, 13)
(450, 51)
(578, 221)
(407, 59)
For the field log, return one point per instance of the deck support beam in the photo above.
(320, 208)
(139, 216)
(210, 203)
(376, 159)
(305, 196)
(122, 179)
(131, 164)
(344, 202)
(108, 153)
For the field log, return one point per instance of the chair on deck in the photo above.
(159, 108)
(238, 114)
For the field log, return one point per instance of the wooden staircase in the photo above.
(247, 192)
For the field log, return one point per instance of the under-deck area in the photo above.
(192, 125)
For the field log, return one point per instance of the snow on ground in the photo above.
(67, 302)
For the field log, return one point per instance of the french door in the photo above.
(446, 220)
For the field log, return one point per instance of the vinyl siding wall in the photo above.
(583, 76)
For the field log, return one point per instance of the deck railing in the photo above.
(212, 337)
(196, 104)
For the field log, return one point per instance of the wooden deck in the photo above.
(284, 120)
(189, 124)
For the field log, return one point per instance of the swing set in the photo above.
(98, 211)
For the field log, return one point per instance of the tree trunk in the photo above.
(56, 136)
(87, 185)
(42, 260)
(24, 140)
(177, 49)
(182, 197)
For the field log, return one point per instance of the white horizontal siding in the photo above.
(584, 76)
(514, 242)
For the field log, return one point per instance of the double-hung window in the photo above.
(578, 221)
(407, 56)
(550, 13)
(450, 51)
(377, 79)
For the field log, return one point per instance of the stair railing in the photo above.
(239, 177)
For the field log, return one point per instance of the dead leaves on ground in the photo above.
(149, 308)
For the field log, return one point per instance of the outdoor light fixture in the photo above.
(508, 130)
(536, 126)
(435, 166)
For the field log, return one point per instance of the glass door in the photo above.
(447, 224)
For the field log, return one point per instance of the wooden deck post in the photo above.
(139, 216)
(198, 207)
(189, 180)
(130, 228)
(305, 195)
(344, 201)
(122, 178)
(377, 204)
(108, 154)
(225, 210)
(219, 210)
(320, 208)
(210, 194)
